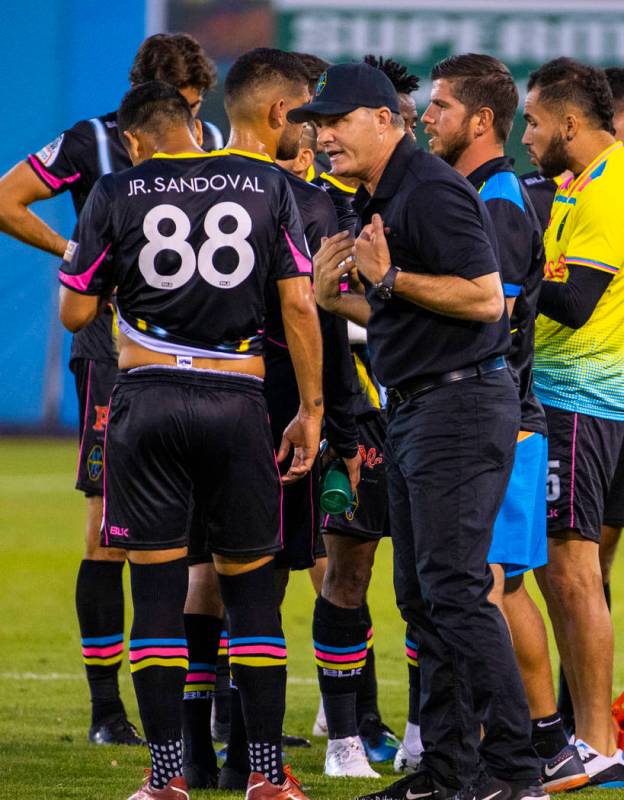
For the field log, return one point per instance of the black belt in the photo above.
(399, 394)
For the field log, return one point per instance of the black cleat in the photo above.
(495, 789)
(294, 741)
(417, 786)
(198, 776)
(232, 779)
(115, 730)
(564, 772)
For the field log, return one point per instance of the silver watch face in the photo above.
(383, 291)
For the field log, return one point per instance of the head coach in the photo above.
(438, 334)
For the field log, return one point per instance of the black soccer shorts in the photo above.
(184, 444)
(94, 385)
(614, 506)
(369, 518)
(582, 456)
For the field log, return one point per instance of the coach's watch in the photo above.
(385, 287)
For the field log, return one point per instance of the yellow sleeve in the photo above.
(597, 240)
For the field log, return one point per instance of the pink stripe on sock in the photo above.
(103, 652)
(340, 658)
(135, 655)
(257, 650)
(411, 653)
(369, 634)
(201, 677)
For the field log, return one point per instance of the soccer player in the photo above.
(437, 329)
(473, 105)
(578, 367)
(258, 84)
(190, 241)
(73, 162)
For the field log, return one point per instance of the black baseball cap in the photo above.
(343, 88)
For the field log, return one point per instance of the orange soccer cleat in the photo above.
(259, 788)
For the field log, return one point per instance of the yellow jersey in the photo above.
(583, 370)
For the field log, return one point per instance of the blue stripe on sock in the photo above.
(411, 644)
(258, 640)
(200, 665)
(329, 649)
(157, 642)
(101, 640)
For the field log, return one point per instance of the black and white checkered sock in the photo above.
(267, 759)
(166, 762)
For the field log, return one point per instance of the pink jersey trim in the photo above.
(113, 650)
(281, 485)
(52, 181)
(573, 475)
(81, 282)
(276, 343)
(135, 655)
(304, 265)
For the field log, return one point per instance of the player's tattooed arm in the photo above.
(303, 336)
(19, 188)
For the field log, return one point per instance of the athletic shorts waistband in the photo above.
(215, 379)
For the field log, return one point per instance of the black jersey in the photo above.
(189, 242)
(542, 193)
(521, 254)
(342, 197)
(340, 383)
(73, 162)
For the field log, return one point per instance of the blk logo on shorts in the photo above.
(117, 530)
(101, 418)
(95, 462)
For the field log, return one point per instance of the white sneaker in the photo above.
(320, 723)
(604, 771)
(345, 758)
(409, 754)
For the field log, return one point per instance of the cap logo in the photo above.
(322, 83)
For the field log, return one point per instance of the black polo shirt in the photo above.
(521, 254)
(438, 226)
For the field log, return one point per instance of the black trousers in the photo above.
(449, 455)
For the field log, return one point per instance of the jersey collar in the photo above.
(338, 184)
(216, 153)
(495, 165)
(585, 174)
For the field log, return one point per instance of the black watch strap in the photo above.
(385, 287)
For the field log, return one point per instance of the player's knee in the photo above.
(204, 595)
(346, 584)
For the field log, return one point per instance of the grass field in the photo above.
(44, 704)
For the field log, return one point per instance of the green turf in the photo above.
(43, 695)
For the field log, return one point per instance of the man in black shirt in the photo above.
(438, 333)
(73, 162)
(189, 241)
(473, 104)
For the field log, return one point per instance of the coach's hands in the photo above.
(371, 250)
(333, 259)
(304, 434)
(353, 465)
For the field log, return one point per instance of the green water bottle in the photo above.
(336, 494)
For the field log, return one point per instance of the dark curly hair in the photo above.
(563, 81)
(615, 76)
(402, 81)
(482, 81)
(176, 58)
(315, 66)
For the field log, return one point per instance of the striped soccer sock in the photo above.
(340, 650)
(100, 609)
(257, 654)
(202, 633)
(159, 659)
(413, 669)
(221, 697)
(366, 702)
